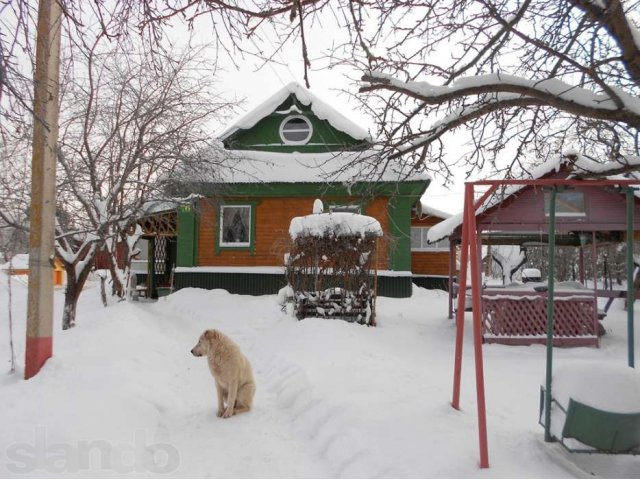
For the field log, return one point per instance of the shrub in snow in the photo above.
(286, 299)
(331, 266)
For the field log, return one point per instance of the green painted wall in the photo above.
(265, 135)
(187, 237)
(400, 230)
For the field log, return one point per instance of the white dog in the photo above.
(231, 371)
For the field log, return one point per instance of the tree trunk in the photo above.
(103, 291)
(70, 301)
(75, 284)
(117, 287)
(13, 352)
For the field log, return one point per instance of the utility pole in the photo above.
(43, 195)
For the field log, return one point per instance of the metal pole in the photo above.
(630, 290)
(452, 267)
(39, 340)
(594, 256)
(581, 262)
(462, 291)
(551, 284)
(477, 329)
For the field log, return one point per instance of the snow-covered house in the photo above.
(286, 153)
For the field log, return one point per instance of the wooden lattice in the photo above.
(163, 224)
(507, 318)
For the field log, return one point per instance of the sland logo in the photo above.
(141, 456)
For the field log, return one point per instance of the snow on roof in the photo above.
(434, 212)
(531, 272)
(251, 166)
(581, 165)
(158, 206)
(444, 229)
(338, 224)
(19, 261)
(320, 108)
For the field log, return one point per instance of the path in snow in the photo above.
(286, 405)
(263, 440)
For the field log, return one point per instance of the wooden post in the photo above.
(39, 345)
(594, 255)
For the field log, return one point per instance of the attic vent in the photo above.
(295, 130)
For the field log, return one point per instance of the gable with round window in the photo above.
(295, 130)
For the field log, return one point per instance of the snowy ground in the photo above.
(123, 396)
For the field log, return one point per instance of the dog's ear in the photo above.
(211, 335)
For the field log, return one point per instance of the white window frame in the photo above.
(221, 241)
(345, 208)
(295, 142)
(565, 214)
(439, 246)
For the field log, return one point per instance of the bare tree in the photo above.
(525, 77)
(128, 118)
(17, 30)
(532, 74)
(15, 152)
(520, 77)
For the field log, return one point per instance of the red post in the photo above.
(477, 328)
(462, 290)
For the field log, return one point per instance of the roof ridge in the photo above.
(319, 107)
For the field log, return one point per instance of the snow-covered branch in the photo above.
(496, 92)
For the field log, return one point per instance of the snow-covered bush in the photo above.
(331, 266)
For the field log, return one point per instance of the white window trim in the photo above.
(569, 214)
(299, 142)
(221, 241)
(345, 208)
(429, 247)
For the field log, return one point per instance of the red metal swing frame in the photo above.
(470, 254)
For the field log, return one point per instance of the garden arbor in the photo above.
(470, 248)
(332, 265)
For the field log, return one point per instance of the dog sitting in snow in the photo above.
(231, 371)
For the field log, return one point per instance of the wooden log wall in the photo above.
(273, 216)
(428, 263)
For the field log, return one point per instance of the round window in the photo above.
(295, 130)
